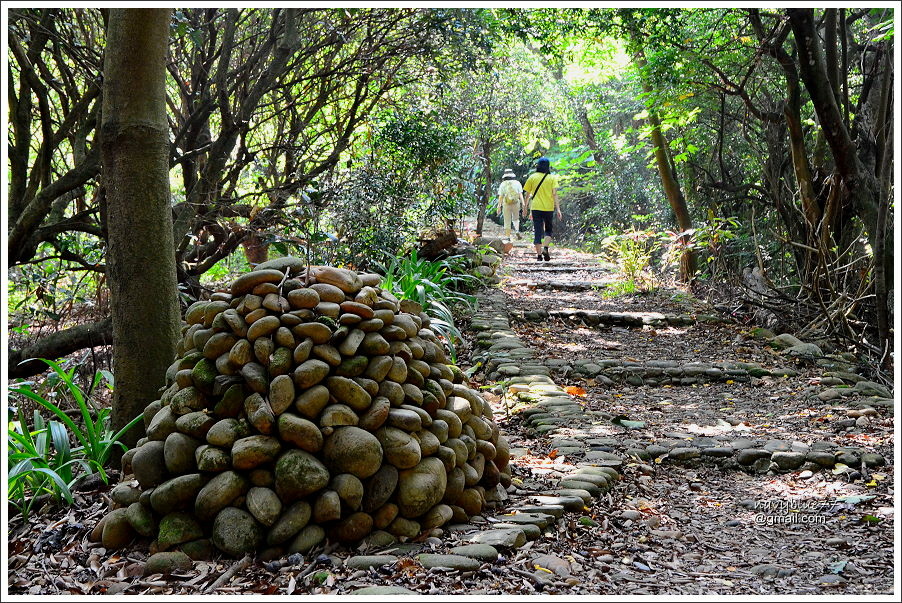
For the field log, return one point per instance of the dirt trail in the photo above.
(744, 469)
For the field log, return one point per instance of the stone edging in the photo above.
(494, 337)
(595, 318)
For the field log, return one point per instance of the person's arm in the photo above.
(557, 205)
(526, 197)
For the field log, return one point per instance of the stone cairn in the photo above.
(305, 404)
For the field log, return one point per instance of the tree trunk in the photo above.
(669, 181)
(488, 192)
(140, 259)
(674, 195)
(24, 362)
(861, 185)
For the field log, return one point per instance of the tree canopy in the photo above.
(759, 139)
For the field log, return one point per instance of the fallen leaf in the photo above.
(574, 390)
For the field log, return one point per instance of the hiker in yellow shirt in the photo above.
(510, 197)
(540, 195)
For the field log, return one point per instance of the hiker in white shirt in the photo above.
(510, 198)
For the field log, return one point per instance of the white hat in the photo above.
(509, 175)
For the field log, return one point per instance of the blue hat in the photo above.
(543, 165)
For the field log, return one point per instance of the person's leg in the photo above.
(549, 231)
(515, 217)
(538, 223)
(506, 212)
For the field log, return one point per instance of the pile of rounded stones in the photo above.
(305, 404)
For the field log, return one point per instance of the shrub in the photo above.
(41, 460)
(435, 285)
(632, 251)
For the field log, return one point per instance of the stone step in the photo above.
(595, 318)
(562, 285)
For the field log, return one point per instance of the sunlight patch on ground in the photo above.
(708, 430)
(792, 489)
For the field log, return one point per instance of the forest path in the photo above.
(742, 468)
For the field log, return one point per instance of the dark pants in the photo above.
(543, 221)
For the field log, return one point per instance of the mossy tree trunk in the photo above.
(488, 191)
(140, 258)
(667, 173)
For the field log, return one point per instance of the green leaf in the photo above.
(61, 486)
(871, 519)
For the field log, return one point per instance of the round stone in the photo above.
(456, 562)
(211, 458)
(178, 453)
(300, 432)
(141, 519)
(336, 415)
(303, 298)
(253, 451)
(298, 474)
(281, 394)
(167, 562)
(379, 488)
(406, 420)
(349, 489)
(352, 528)
(224, 433)
(149, 463)
(177, 493)
(308, 538)
(236, 532)
(421, 487)
(264, 505)
(349, 392)
(401, 449)
(327, 507)
(218, 494)
(125, 494)
(117, 531)
(195, 424)
(788, 460)
(290, 523)
(352, 450)
(178, 528)
(309, 373)
(312, 401)
(246, 282)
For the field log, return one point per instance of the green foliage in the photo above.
(632, 251)
(39, 461)
(711, 241)
(626, 287)
(416, 175)
(47, 287)
(435, 285)
(44, 468)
